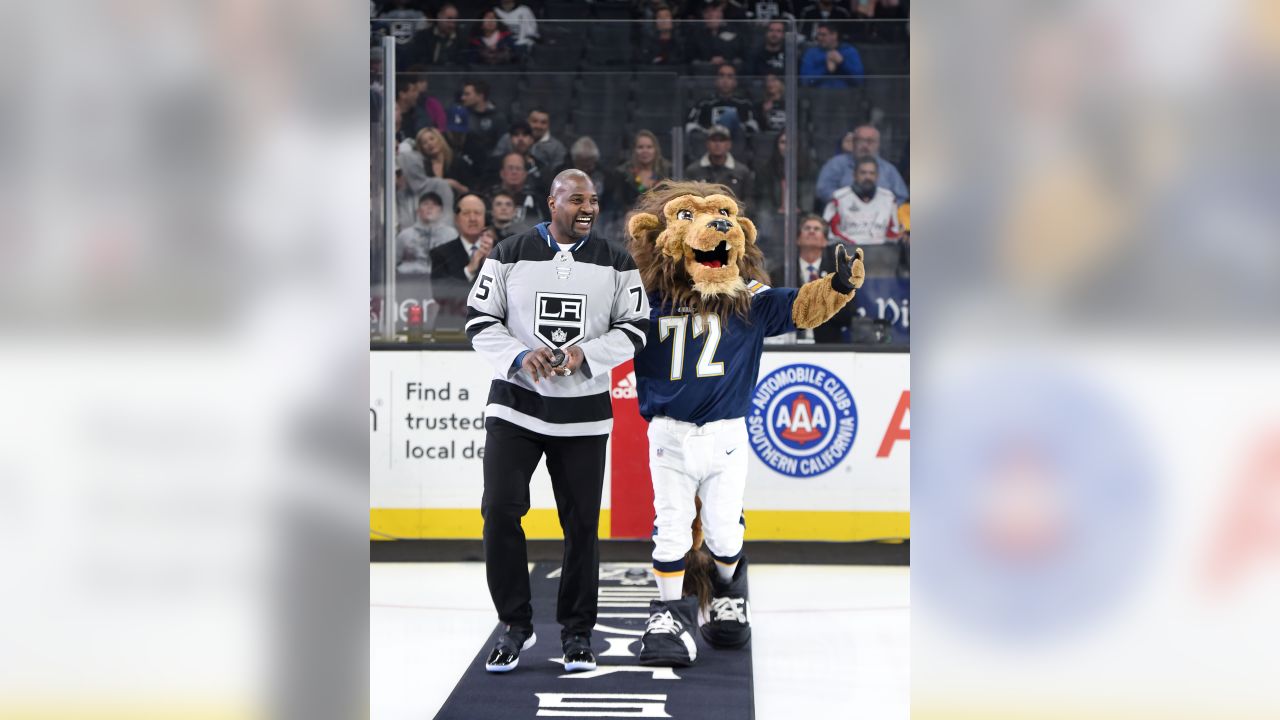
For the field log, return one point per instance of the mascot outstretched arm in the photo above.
(819, 300)
(710, 313)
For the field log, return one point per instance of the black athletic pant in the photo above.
(576, 464)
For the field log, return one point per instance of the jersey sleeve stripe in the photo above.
(640, 325)
(636, 337)
(474, 314)
(477, 326)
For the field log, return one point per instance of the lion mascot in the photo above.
(710, 313)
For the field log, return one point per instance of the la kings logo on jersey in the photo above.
(561, 319)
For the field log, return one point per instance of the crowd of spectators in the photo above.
(469, 174)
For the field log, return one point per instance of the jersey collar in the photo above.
(544, 229)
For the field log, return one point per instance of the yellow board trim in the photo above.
(827, 525)
(451, 523)
(543, 524)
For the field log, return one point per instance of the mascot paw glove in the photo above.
(850, 272)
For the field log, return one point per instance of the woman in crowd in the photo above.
(492, 44)
(431, 157)
(773, 191)
(645, 167)
(771, 205)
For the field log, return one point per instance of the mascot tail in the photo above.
(698, 563)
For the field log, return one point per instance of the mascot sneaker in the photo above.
(506, 653)
(668, 637)
(730, 613)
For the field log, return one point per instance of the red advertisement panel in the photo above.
(631, 493)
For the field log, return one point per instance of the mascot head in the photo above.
(691, 244)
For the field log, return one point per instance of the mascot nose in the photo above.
(721, 225)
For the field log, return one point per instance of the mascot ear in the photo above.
(642, 224)
(748, 229)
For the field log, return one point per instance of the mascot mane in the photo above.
(669, 275)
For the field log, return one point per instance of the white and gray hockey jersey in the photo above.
(531, 293)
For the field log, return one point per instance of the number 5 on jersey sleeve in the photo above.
(675, 326)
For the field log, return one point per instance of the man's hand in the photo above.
(834, 58)
(538, 363)
(850, 272)
(483, 246)
(574, 359)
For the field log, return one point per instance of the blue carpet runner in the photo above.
(718, 687)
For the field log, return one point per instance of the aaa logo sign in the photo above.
(803, 420)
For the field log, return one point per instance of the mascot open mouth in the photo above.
(691, 244)
(714, 258)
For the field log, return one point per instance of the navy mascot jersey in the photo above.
(697, 369)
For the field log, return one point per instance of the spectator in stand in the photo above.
(770, 57)
(773, 196)
(423, 110)
(519, 20)
(644, 168)
(715, 42)
(838, 171)
(431, 157)
(727, 109)
(718, 165)
(520, 141)
(546, 149)
(505, 223)
(408, 122)
(461, 258)
(609, 185)
(771, 205)
(817, 12)
(406, 203)
(831, 64)
(415, 243)
(447, 46)
(660, 44)
(817, 259)
(514, 180)
(550, 151)
(491, 44)
(773, 108)
(407, 200)
(483, 122)
(863, 213)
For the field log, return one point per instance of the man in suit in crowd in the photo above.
(455, 263)
(817, 259)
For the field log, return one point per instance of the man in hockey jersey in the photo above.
(711, 311)
(553, 310)
(726, 108)
(863, 213)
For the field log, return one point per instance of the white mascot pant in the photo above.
(711, 461)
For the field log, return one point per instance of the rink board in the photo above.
(830, 449)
